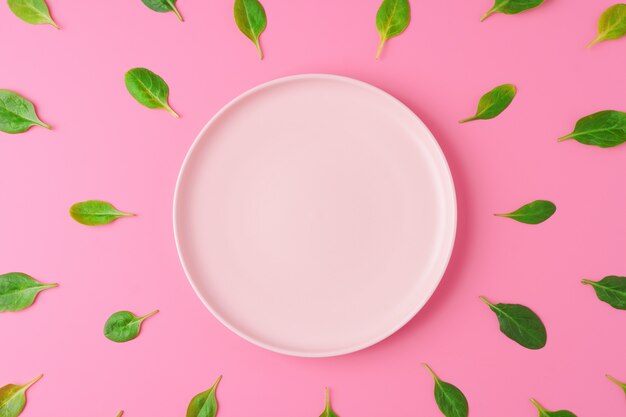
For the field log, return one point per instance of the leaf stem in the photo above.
(563, 138)
(597, 39)
(489, 13)
(53, 23)
(620, 384)
(171, 111)
(148, 315)
(484, 300)
(257, 43)
(430, 371)
(327, 398)
(44, 125)
(380, 47)
(217, 382)
(178, 15)
(536, 404)
(30, 383)
(469, 119)
(587, 281)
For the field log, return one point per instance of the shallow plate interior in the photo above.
(315, 215)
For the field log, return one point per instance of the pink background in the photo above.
(106, 146)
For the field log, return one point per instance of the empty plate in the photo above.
(314, 215)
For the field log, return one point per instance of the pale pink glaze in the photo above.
(315, 215)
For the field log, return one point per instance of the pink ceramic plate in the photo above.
(314, 215)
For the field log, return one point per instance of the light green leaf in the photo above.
(604, 129)
(13, 398)
(124, 326)
(17, 114)
(520, 324)
(163, 6)
(328, 412)
(611, 290)
(618, 383)
(32, 11)
(392, 18)
(545, 413)
(612, 24)
(532, 213)
(96, 213)
(205, 403)
(493, 103)
(148, 89)
(450, 400)
(512, 7)
(18, 291)
(251, 20)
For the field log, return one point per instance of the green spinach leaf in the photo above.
(32, 11)
(520, 324)
(532, 213)
(450, 400)
(149, 89)
(545, 413)
(205, 403)
(18, 291)
(96, 213)
(251, 20)
(612, 24)
(13, 398)
(512, 7)
(17, 114)
(604, 129)
(392, 18)
(124, 326)
(493, 103)
(611, 290)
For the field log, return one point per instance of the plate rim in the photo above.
(446, 251)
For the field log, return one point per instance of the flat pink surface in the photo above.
(106, 146)
(315, 215)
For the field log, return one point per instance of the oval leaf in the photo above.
(148, 89)
(618, 383)
(520, 324)
(328, 412)
(604, 129)
(163, 6)
(32, 11)
(392, 18)
(512, 7)
(545, 413)
(612, 24)
(493, 103)
(532, 213)
(251, 20)
(449, 398)
(18, 291)
(205, 403)
(17, 114)
(96, 213)
(611, 290)
(13, 398)
(124, 326)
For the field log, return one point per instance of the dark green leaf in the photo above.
(512, 7)
(328, 412)
(532, 213)
(205, 403)
(17, 114)
(95, 213)
(124, 326)
(493, 103)
(618, 383)
(32, 11)
(612, 24)
(449, 398)
(611, 290)
(392, 18)
(13, 398)
(148, 89)
(18, 291)
(251, 20)
(520, 324)
(545, 413)
(604, 129)
(163, 6)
